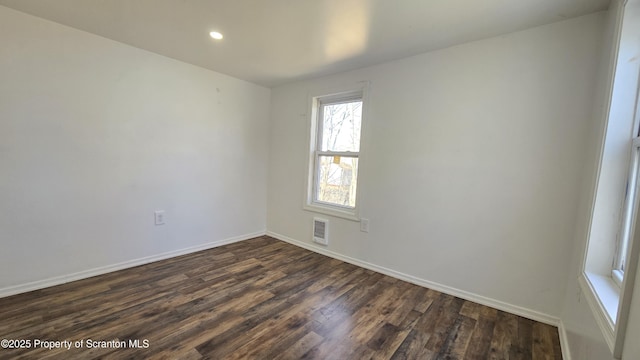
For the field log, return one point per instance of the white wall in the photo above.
(471, 160)
(95, 135)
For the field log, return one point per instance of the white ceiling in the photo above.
(271, 42)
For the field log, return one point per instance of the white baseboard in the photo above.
(564, 342)
(58, 280)
(497, 304)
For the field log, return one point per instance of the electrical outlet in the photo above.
(364, 225)
(159, 217)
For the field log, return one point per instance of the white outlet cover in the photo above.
(159, 217)
(364, 225)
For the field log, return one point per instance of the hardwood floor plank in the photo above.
(300, 347)
(525, 338)
(480, 341)
(458, 338)
(265, 299)
(445, 325)
(505, 329)
(470, 310)
(412, 346)
(544, 337)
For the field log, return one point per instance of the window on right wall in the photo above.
(613, 244)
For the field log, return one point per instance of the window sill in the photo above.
(603, 297)
(344, 214)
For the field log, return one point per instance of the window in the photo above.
(628, 215)
(613, 244)
(335, 144)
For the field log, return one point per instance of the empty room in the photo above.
(319, 179)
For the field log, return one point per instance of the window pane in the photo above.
(341, 126)
(628, 212)
(337, 177)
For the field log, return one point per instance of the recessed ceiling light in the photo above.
(216, 35)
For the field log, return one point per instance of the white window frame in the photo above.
(315, 137)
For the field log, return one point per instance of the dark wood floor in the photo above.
(264, 299)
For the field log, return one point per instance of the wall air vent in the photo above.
(321, 231)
